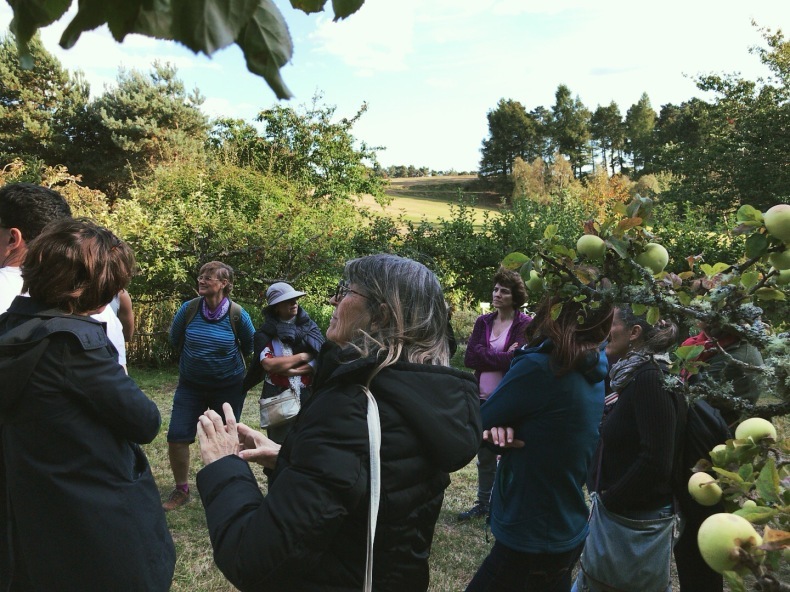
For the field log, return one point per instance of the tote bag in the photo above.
(625, 555)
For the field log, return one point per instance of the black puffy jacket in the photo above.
(79, 509)
(309, 532)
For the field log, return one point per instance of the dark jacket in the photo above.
(538, 504)
(79, 509)
(303, 336)
(309, 532)
(479, 355)
(638, 439)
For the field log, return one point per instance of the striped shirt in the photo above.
(210, 354)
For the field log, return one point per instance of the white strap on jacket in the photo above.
(374, 438)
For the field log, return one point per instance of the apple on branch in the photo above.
(777, 222)
(721, 538)
(655, 257)
(591, 246)
(755, 428)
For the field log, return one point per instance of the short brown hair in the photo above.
(76, 266)
(514, 282)
(223, 271)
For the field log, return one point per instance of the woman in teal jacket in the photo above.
(551, 399)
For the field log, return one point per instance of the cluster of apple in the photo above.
(729, 541)
(654, 256)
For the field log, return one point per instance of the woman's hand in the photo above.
(255, 447)
(216, 439)
(502, 437)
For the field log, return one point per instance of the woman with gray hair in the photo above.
(388, 333)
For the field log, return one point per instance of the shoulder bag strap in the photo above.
(374, 438)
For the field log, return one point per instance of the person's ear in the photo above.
(384, 317)
(636, 333)
(15, 240)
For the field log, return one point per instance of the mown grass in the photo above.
(431, 198)
(458, 549)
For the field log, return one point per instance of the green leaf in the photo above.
(209, 25)
(550, 232)
(756, 245)
(767, 483)
(267, 46)
(308, 6)
(653, 314)
(29, 16)
(748, 214)
(685, 298)
(749, 279)
(769, 294)
(89, 16)
(122, 17)
(734, 581)
(734, 477)
(745, 471)
(344, 8)
(555, 311)
(620, 246)
(689, 352)
(514, 260)
(639, 309)
(756, 514)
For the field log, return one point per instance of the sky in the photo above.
(430, 70)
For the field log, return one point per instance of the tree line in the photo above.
(719, 153)
(116, 140)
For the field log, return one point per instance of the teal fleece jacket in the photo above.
(538, 505)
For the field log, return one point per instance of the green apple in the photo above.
(749, 504)
(591, 246)
(720, 535)
(535, 282)
(654, 257)
(777, 221)
(755, 428)
(783, 278)
(704, 489)
(780, 260)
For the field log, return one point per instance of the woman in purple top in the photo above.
(489, 352)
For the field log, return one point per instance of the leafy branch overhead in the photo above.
(619, 260)
(204, 26)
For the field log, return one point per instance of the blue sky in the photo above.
(431, 69)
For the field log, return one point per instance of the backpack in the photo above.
(192, 309)
(702, 428)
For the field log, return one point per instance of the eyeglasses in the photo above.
(205, 278)
(342, 291)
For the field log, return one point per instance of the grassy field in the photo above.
(430, 198)
(458, 549)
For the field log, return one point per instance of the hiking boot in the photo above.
(479, 510)
(177, 499)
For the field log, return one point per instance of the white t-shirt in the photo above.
(114, 331)
(11, 287)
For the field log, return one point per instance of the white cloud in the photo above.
(378, 38)
(221, 107)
